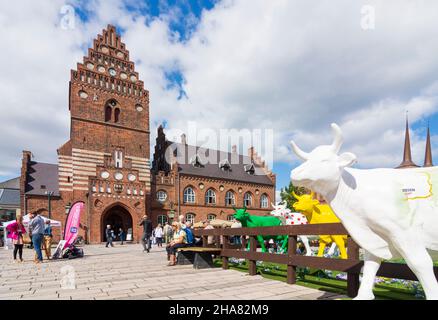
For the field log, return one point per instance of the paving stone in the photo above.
(124, 272)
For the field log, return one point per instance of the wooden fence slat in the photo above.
(353, 275)
(291, 269)
(225, 247)
(399, 271)
(252, 266)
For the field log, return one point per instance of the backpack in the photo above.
(189, 234)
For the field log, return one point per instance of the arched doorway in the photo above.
(117, 217)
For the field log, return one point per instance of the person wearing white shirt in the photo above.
(159, 235)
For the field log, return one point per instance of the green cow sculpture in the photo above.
(250, 221)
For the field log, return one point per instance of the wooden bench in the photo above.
(199, 257)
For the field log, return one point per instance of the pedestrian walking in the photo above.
(16, 230)
(36, 229)
(167, 230)
(147, 233)
(159, 235)
(109, 236)
(48, 236)
(121, 236)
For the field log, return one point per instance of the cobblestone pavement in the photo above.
(125, 272)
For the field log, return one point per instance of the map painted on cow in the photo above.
(417, 186)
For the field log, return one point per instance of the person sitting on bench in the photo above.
(179, 241)
(189, 234)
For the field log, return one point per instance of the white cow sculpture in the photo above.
(389, 212)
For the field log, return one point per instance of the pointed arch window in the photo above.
(116, 115)
(108, 113)
(247, 199)
(109, 107)
(162, 219)
(190, 217)
(210, 197)
(189, 195)
(264, 201)
(230, 199)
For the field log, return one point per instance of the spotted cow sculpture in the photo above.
(320, 213)
(390, 213)
(290, 218)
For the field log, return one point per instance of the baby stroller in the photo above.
(73, 252)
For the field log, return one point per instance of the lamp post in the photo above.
(49, 195)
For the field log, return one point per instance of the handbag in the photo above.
(26, 239)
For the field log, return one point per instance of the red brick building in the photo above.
(202, 184)
(106, 161)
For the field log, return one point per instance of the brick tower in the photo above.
(106, 161)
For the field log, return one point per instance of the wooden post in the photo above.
(244, 243)
(218, 241)
(204, 241)
(291, 252)
(252, 267)
(225, 259)
(352, 277)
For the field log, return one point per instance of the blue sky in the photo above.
(284, 65)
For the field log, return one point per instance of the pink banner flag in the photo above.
(72, 225)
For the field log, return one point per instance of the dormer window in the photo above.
(250, 168)
(196, 161)
(225, 165)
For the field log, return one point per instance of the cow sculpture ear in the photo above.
(346, 159)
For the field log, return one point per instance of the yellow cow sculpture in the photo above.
(320, 213)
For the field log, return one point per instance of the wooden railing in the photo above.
(352, 266)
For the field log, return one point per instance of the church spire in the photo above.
(407, 157)
(428, 155)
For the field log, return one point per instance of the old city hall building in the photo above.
(106, 162)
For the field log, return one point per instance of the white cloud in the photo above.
(288, 65)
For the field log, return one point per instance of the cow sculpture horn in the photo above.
(337, 143)
(295, 195)
(300, 153)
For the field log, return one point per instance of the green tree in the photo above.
(286, 194)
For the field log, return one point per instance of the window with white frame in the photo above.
(162, 219)
(190, 217)
(211, 217)
(210, 197)
(230, 217)
(161, 195)
(230, 200)
(264, 201)
(189, 195)
(247, 199)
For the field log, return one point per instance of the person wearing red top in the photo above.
(15, 232)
